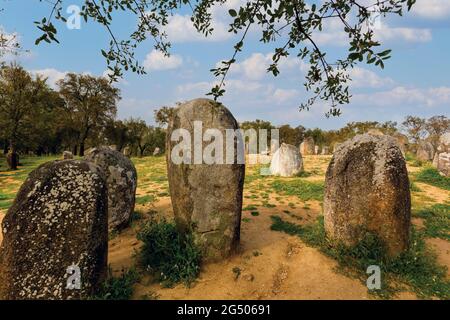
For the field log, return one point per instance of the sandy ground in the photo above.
(273, 265)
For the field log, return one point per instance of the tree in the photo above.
(163, 115)
(415, 128)
(22, 101)
(293, 136)
(138, 132)
(290, 27)
(436, 126)
(90, 103)
(116, 132)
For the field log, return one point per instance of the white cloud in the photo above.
(156, 60)
(51, 74)
(333, 34)
(411, 35)
(180, 29)
(281, 96)
(400, 96)
(432, 9)
(365, 78)
(255, 67)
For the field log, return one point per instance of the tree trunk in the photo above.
(12, 158)
(82, 149)
(75, 150)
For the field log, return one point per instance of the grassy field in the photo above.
(284, 253)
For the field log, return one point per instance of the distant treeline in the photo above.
(82, 113)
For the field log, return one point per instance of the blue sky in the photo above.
(415, 81)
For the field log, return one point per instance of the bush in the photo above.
(432, 176)
(169, 255)
(118, 288)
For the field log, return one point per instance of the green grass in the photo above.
(170, 256)
(431, 176)
(417, 268)
(436, 221)
(305, 190)
(250, 207)
(414, 188)
(118, 288)
(255, 213)
(145, 199)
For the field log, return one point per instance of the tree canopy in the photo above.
(291, 26)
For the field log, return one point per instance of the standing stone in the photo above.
(443, 163)
(402, 141)
(12, 158)
(336, 146)
(157, 151)
(307, 147)
(367, 190)
(316, 150)
(286, 161)
(127, 152)
(206, 198)
(325, 150)
(67, 155)
(375, 132)
(121, 180)
(113, 147)
(58, 220)
(425, 151)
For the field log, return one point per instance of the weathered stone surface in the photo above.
(121, 180)
(157, 151)
(443, 163)
(206, 198)
(127, 152)
(402, 141)
(425, 151)
(286, 161)
(375, 132)
(336, 147)
(12, 158)
(325, 150)
(367, 190)
(58, 219)
(316, 149)
(67, 155)
(444, 143)
(307, 147)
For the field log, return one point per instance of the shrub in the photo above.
(169, 255)
(118, 288)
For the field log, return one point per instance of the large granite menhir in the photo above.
(121, 180)
(206, 198)
(367, 191)
(58, 223)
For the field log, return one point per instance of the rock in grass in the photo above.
(367, 191)
(425, 151)
(287, 161)
(206, 198)
(57, 224)
(12, 158)
(121, 180)
(67, 155)
(307, 147)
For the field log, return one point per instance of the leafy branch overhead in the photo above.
(291, 25)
